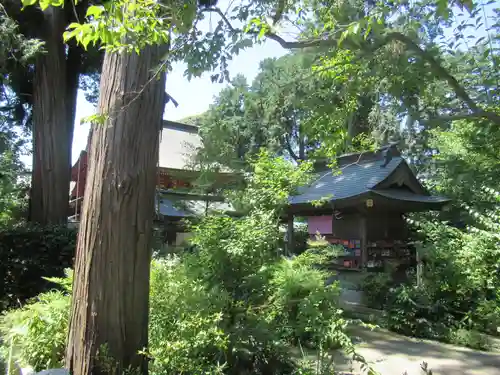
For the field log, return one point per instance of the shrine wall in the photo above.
(385, 226)
(347, 227)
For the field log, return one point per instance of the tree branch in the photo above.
(289, 148)
(270, 35)
(435, 66)
(456, 117)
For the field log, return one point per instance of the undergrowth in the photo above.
(232, 305)
(458, 297)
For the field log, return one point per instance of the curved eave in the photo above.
(390, 200)
(345, 204)
(407, 197)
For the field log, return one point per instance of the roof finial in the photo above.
(387, 153)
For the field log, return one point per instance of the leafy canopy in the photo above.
(290, 110)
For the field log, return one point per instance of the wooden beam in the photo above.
(419, 265)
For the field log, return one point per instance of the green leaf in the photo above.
(368, 28)
(343, 37)
(67, 35)
(73, 25)
(44, 4)
(97, 118)
(245, 43)
(95, 10)
(442, 9)
(86, 40)
(468, 4)
(27, 3)
(354, 28)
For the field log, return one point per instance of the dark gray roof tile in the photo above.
(178, 207)
(354, 180)
(165, 207)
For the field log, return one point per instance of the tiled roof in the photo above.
(166, 207)
(177, 205)
(355, 179)
(178, 143)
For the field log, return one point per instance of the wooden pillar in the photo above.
(171, 233)
(419, 264)
(290, 239)
(364, 240)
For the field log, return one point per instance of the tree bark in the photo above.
(51, 149)
(111, 281)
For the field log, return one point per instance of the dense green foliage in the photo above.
(234, 305)
(15, 46)
(376, 288)
(13, 184)
(28, 253)
(424, 73)
(458, 294)
(467, 163)
(37, 332)
(282, 111)
(19, 50)
(387, 71)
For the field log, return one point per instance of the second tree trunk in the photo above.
(51, 130)
(109, 318)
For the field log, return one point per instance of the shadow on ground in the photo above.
(392, 354)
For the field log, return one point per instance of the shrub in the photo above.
(186, 322)
(411, 311)
(220, 309)
(486, 316)
(28, 253)
(38, 330)
(193, 329)
(470, 338)
(301, 306)
(376, 287)
(185, 331)
(458, 298)
(235, 258)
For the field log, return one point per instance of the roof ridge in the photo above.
(369, 155)
(174, 125)
(392, 170)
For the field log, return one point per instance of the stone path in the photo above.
(392, 354)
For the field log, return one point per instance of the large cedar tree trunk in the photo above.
(111, 281)
(51, 149)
